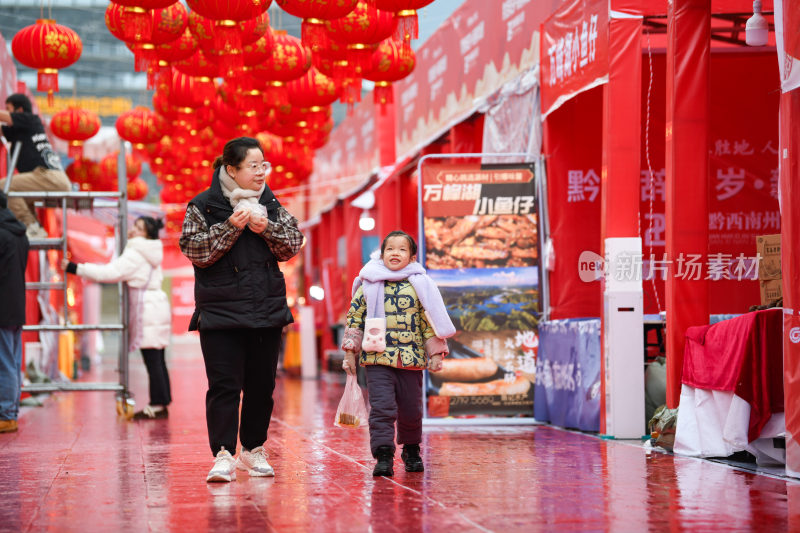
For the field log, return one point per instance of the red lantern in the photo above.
(390, 63)
(230, 9)
(227, 33)
(141, 126)
(199, 64)
(314, 15)
(405, 12)
(364, 24)
(313, 89)
(137, 189)
(84, 172)
(109, 171)
(226, 46)
(169, 24)
(271, 144)
(75, 125)
(139, 17)
(190, 91)
(47, 47)
(359, 31)
(259, 51)
(289, 61)
(176, 50)
(181, 48)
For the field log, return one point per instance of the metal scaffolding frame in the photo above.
(80, 200)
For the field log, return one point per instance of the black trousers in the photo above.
(160, 393)
(395, 398)
(238, 362)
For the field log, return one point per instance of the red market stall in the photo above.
(637, 146)
(718, 186)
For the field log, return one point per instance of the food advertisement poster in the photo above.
(480, 244)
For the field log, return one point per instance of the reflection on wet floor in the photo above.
(73, 466)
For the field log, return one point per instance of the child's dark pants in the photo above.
(395, 395)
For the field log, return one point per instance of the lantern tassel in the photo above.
(228, 47)
(359, 59)
(313, 34)
(75, 150)
(350, 93)
(406, 28)
(139, 25)
(383, 95)
(144, 56)
(47, 80)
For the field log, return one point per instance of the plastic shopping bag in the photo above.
(352, 411)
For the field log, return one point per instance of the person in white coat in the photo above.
(140, 266)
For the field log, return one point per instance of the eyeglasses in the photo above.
(258, 167)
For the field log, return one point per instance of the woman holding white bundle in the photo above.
(235, 233)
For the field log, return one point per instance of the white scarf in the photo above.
(375, 272)
(236, 195)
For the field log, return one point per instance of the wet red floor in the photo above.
(73, 466)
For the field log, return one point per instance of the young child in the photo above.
(398, 324)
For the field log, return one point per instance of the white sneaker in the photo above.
(255, 462)
(224, 468)
(35, 231)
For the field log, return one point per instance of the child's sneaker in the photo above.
(224, 468)
(255, 462)
(385, 457)
(411, 458)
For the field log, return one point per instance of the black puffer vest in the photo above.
(244, 288)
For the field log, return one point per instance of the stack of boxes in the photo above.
(769, 267)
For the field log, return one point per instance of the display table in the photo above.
(732, 392)
(567, 390)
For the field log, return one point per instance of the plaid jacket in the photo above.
(204, 246)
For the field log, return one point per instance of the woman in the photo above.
(140, 265)
(234, 234)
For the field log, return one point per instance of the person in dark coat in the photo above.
(234, 233)
(13, 261)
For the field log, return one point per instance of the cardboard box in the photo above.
(771, 290)
(769, 248)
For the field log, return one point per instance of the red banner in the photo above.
(480, 47)
(347, 160)
(573, 52)
(743, 187)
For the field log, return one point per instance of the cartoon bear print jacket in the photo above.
(410, 339)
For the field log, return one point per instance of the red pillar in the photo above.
(620, 206)
(622, 131)
(789, 157)
(687, 143)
